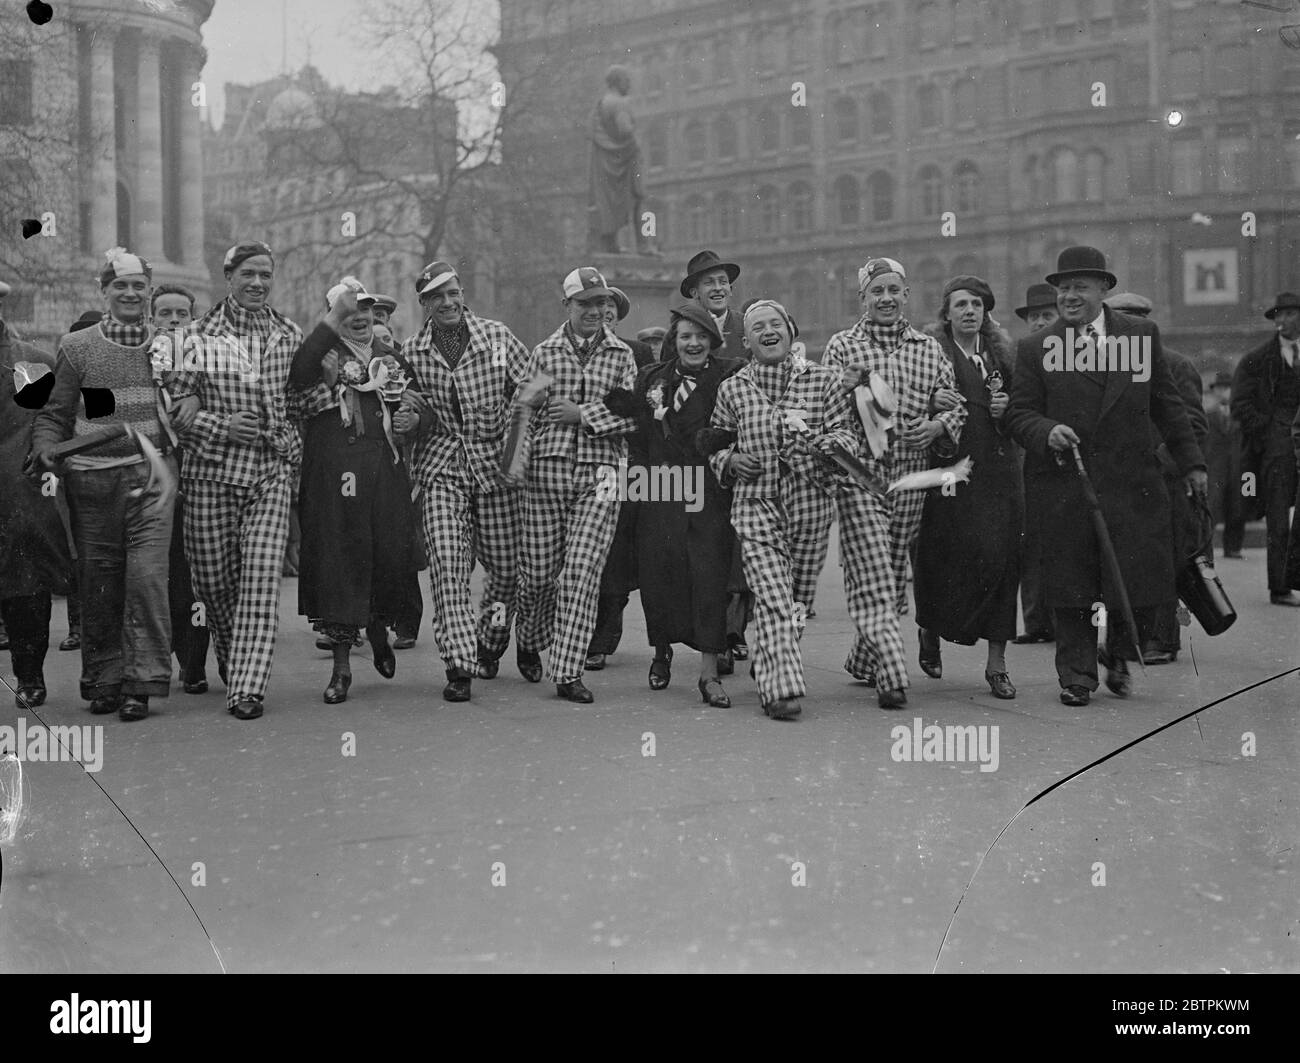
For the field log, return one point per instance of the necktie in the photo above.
(683, 392)
(979, 364)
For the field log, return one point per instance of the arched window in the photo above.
(1065, 176)
(769, 211)
(724, 137)
(847, 200)
(882, 196)
(769, 130)
(965, 99)
(882, 115)
(803, 298)
(845, 111)
(696, 146)
(800, 127)
(927, 289)
(929, 107)
(656, 145)
(929, 183)
(726, 209)
(966, 175)
(1094, 176)
(697, 220)
(801, 213)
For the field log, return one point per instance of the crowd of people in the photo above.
(163, 469)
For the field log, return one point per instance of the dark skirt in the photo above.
(356, 530)
(684, 567)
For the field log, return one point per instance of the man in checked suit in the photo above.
(1061, 399)
(570, 512)
(466, 368)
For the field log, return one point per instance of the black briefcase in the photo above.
(1200, 588)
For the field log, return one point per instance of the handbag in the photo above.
(1200, 588)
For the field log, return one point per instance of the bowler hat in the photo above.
(1081, 262)
(1285, 301)
(706, 262)
(693, 312)
(1037, 297)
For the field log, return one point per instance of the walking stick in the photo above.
(1108, 551)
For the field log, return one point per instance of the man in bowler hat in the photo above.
(1111, 414)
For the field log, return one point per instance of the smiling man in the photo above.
(121, 531)
(240, 455)
(708, 281)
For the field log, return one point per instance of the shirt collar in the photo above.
(1099, 322)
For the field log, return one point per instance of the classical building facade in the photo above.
(956, 135)
(100, 138)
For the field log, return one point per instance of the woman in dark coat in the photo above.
(34, 557)
(968, 550)
(684, 544)
(354, 495)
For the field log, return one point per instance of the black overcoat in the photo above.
(968, 549)
(683, 557)
(1112, 414)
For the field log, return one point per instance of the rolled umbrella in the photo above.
(1107, 550)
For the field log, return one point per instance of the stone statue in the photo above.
(614, 199)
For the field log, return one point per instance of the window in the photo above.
(1186, 166)
(929, 21)
(15, 92)
(801, 207)
(722, 59)
(697, 221)
(838, 28)
(1065, 176)
(1133, 10)
(847, 201)
(880, 30)
(769, 211)
(1234, 159)
(964, 100)
(882, 115)
(1094, 176)
(845, 113)
(927, 290)
(1185, 73)
(769, 130)
(800, 127)
(724, 137)
(967, 178)
(656, 146)
(1142, 168)
(803, 292)
(881, 185)
(798, 48)
(726, 209)
(929, 107)
(1231, 70)
(692, 66)
(964, 18)
(765, 59)
(693, 136)
(929, 182)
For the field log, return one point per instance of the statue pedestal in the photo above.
(650, 283)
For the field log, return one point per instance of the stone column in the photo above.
(191, 153)
(149, 194)
(103, 143)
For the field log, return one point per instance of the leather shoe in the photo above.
(1284, 599)
(72, 642)
(575, 691)
(325, 644)
(197, 686)
(930, 657)
(337, 691)
(530, 665)
(718, 699)
(891, 699)
(740, 651)
(1000, 684)
(403, 642)
(1075, 695)
(595, 662)
(134, 707)
(782, 709)
(247, 709)
(727, 662)
(102, 706)
(457, 688)
(1156, 656)
(385, 659)
(1030, 637)
(661, 672)
(1118, 680)
(32, 694)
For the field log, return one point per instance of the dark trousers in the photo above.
(27, 620)
(609, 624)
(1076, 642)
(1282, 535)
(122, 546)
(190, 636)
(1033, 591)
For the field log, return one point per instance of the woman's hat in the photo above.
(1081, 262)
(1037, 297)
(1285, 301)
(969, 283)
(693, 312)
(706, 262)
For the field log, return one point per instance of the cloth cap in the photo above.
(434, 275)
(585, 281)
(121, 263)
(1129, 303)
(874, 267)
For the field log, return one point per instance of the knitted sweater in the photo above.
(86, 359)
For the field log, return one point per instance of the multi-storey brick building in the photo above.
(797, 138)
